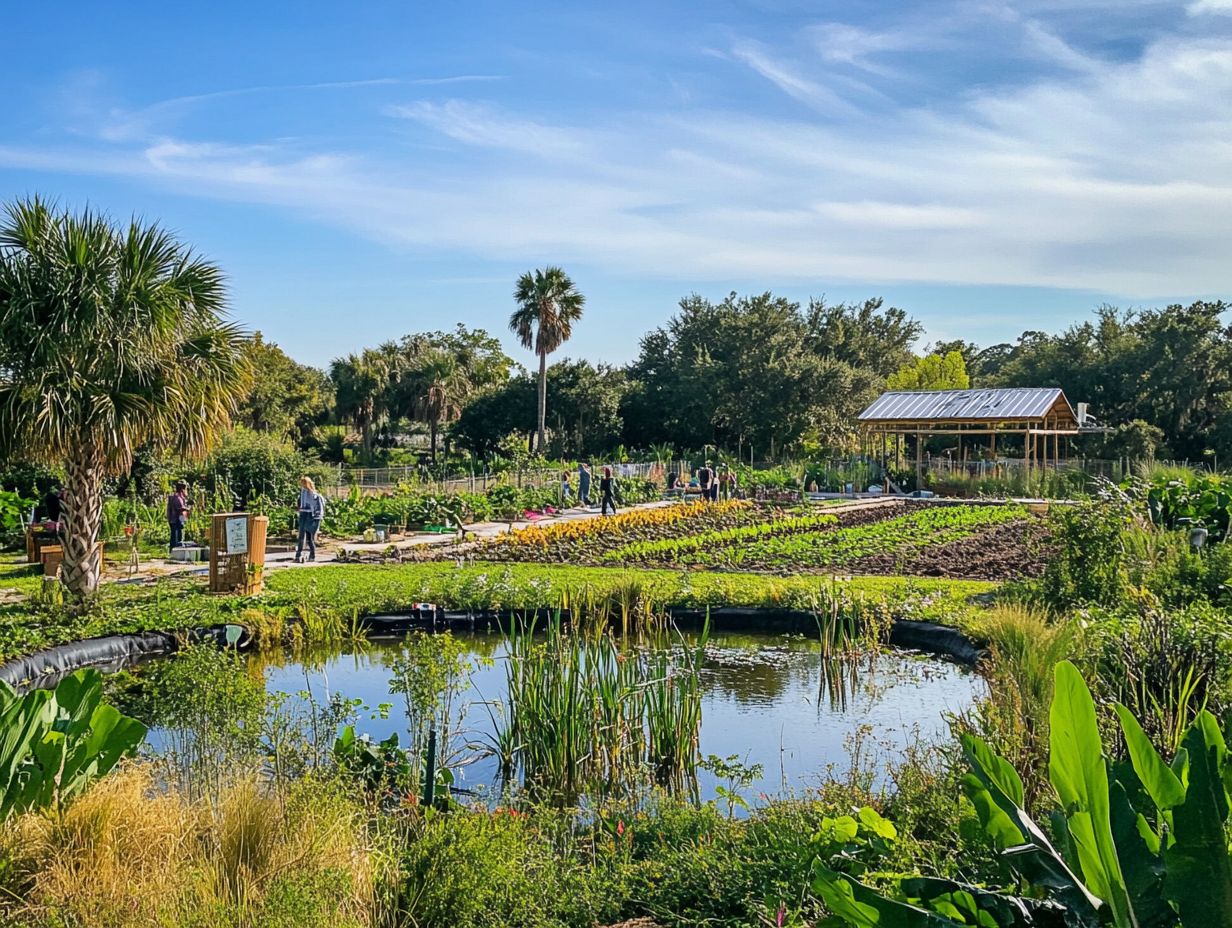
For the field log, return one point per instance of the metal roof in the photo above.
(996, 405)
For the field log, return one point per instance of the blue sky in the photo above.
(366, 170)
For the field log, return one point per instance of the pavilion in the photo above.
(1041, 416)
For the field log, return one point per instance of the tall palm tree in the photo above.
(111, 337)
(548, 306)
(441, 388)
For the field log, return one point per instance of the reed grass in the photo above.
(587, 711)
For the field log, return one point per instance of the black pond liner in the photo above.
(117, 652)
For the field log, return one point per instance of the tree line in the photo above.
(114, 342)
(764, 375)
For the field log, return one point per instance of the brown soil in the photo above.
(1006, 552)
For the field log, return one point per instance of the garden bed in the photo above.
(888, 537)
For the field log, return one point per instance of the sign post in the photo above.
(237, 552)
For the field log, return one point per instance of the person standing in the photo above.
(566, 490)
(607, 494)
(53, 505)
(583, 483)
(178, 509)
(311, 512)
(705, 480)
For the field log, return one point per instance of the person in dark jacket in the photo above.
(53, 505)
(311, 512)
(607, 492)
(178, 509)
(705, 480)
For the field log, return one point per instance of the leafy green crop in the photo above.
(844, 546)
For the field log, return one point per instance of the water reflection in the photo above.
(768, 699)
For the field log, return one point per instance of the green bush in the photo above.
(500, 869)
(252, 464)
(1087, 565)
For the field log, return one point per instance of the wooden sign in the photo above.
(237, 534)
(237, 552)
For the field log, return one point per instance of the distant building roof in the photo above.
(998, 405)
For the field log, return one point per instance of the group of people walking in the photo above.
(607, 488)
(310, 510)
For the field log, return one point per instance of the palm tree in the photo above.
(360, 382)
(441, 387)
(548, 306)
(112, 337)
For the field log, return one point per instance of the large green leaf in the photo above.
(54, 744)
(1079, 774)
(862, 907)
(993, 787)
(1199, 880)
(1161, 783)
(981, 907)
(1138, 849)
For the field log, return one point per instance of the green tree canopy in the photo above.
(112, 337)
(761, 370)
(286, 399)
(932, 372)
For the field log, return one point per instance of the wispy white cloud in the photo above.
(477, 124)
(1210, 6)
(123, 124)
(1098, 174)
(816, 95)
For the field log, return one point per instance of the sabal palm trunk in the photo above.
(543, 398)
(432, 426)
(82, 517)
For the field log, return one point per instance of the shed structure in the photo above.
(1042, 416)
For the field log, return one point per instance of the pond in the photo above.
(768, 699)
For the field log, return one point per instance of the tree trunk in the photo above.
(543, 397)
(432, 439)
(82, 516)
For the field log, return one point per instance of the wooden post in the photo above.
(919, 464)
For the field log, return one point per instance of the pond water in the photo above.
(767, 699)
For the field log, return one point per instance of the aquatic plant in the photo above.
(54, 743)
(585, 713)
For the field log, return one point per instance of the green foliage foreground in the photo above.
(1137, 844)
(54, 743)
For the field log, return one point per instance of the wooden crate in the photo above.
(36, 542)
(52, 555)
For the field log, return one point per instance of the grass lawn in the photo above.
(341, 592)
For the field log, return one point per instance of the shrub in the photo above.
(1136, 844)
(1087, 565)
(252, 464)
(128, 855)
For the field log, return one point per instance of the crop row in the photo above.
(568, 540)
(840, 547)
(671, 549)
